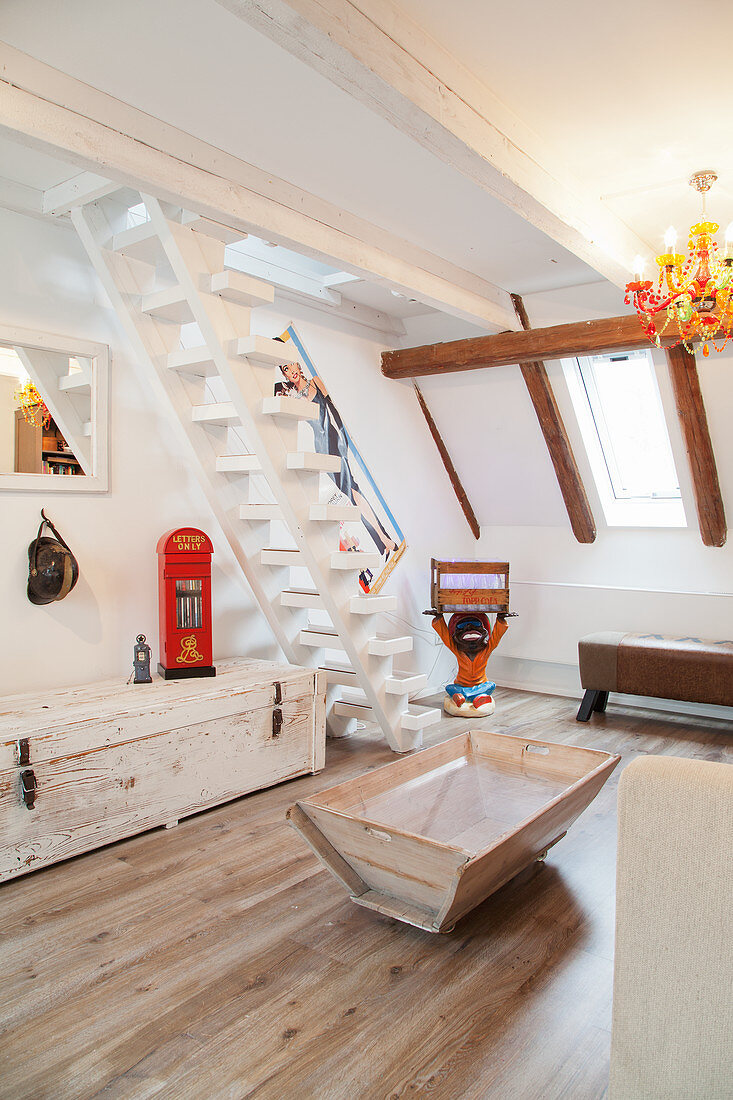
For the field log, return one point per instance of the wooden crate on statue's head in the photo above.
(470, 591)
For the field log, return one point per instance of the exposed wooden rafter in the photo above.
(388, 62)
(506, 348)
(699, 447)
(59, 114)
(558, 443)
(450, 469)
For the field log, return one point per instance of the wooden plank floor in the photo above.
(218, 960)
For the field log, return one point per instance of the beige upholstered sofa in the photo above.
(673, 982)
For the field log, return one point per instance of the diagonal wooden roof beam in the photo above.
(556, 438)
(699, 447)
(507, 348)
(450, 469)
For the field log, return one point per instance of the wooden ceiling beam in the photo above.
(55, 113)
(450, 469)
(380, 56)
(559, 447)
(699, 447)
(608, 334)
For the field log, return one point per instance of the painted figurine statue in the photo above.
(469, 638)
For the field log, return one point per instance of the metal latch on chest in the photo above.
(277, 712)
(28, 784)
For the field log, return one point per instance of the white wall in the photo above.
(46, 282)
(388, 428)
(629, 579)
(662, 581)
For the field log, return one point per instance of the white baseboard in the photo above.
(547, 678)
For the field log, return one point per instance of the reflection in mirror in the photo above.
(53, 412)
(31, 440)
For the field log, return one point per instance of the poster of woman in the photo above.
(376, 529)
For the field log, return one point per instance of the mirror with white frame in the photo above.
(53, 412)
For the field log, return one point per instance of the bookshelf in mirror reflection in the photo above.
(40, 450)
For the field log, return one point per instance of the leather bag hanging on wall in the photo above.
(52, 568)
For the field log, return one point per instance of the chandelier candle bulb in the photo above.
(729, 241)
(670, 239)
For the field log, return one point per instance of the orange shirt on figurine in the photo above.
(468, 638)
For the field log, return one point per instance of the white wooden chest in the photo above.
(105, 761)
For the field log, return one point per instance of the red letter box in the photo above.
(184, 601)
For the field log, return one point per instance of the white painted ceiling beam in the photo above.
(57, 113)
(21, 198)
(340, 278)
(294, 286)
(86, 187)
(389, 63)
(281, 277)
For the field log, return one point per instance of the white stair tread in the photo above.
(196, 361)
(242, 289)
(312, 460)
(261, 349)
(293, 407)
(418, 718)
(140, 241)
(340, 674)
(260, 511)
(372, 605)
(333, 512)
(301, 597)
(404, 683)
(75, 382)
(211, 228)
(345, 709)
(384, 647)
(321, 638)
(280, 557)
(170, 304)
(217, 412)
(354, 559)
(354, 694)
(234, 464)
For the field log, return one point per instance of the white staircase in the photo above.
(169, 272)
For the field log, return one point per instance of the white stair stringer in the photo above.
(125, 280)
(270, 435)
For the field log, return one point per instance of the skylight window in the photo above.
(137, 215)
(620, 414)
(627, 412)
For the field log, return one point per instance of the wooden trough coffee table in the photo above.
(427, 838)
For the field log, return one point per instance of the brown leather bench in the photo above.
(692, 669)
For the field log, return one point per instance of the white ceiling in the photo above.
(634, 95)
(625, 100)
(31, 168)
(628, 98)
(198, 67)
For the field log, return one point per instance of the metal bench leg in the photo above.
(589, 704)
(601, 701)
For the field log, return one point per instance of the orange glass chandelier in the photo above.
(693, 296)
(32, 405)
